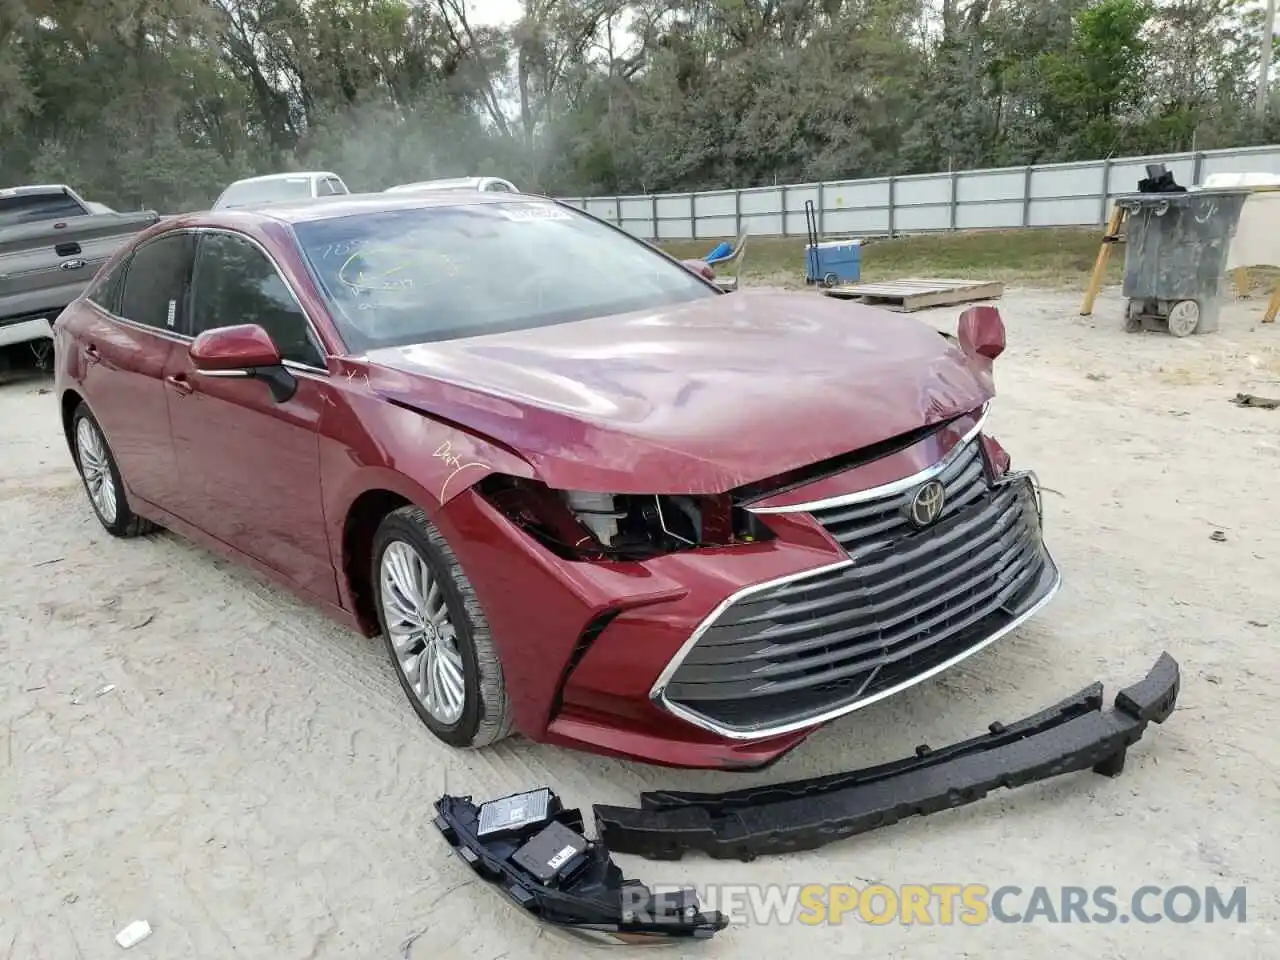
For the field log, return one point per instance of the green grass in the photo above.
(1041, 257)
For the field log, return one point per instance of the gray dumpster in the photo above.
(1176, 247)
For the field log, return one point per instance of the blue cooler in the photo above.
(833, 262)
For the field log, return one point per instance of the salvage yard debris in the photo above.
(917, 293)
(133, 934)
(1251, 400)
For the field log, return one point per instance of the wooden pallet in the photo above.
(918, 293)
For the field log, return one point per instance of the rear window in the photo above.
(265, 191)
(34, 207)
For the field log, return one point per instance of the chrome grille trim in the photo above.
(1024, 564)
(887, 489)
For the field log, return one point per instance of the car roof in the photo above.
(352, 204)
(296, 175)
(449, 183)
(29, 188)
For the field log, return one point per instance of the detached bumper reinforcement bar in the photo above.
(1077, 734)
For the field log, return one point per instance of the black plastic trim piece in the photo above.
(1076, 734)
(586, 894)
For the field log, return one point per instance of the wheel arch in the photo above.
(359, 526)
(68, 403)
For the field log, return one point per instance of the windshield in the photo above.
(440, 273)
(33, 207)
(265, 191)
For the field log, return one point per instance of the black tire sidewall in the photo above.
(123, 515)
(396, 527)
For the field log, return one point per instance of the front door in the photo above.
(129, 338)
(250, 466)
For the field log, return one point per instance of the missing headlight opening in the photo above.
(588, 525)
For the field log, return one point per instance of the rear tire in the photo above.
(436, 633)
(101, 477)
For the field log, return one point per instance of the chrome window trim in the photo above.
(657, 693)
(188, 339)
(887, 489)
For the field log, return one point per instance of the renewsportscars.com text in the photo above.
(971, 904)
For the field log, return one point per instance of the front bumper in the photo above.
(842, 608)
(1076, 734)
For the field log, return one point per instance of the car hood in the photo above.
(697, 398)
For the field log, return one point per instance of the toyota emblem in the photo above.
(926, 504)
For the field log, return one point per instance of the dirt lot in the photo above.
(254, 785)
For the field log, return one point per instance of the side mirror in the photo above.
(240, 348)
(245, 350)
(981, 332)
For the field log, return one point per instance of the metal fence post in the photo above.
(893, 189)
(1197, 168)
(821, 206)
(653, 215)
(693, 219)
(782, 204)
(1104, 212)
(955, 184)
(617, 210)
(1026, 196)
(737, 213)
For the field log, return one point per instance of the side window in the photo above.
(156, 281)
(106, 290)
(332, 187)
(235, 283)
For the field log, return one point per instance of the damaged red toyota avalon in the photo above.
(582, 493)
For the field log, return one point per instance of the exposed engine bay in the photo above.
(581, 525)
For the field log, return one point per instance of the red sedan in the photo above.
(582, 493)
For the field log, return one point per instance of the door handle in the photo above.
(180, 383)
(91, 354)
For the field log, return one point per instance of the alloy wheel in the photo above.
(95, 467)
(421, 631)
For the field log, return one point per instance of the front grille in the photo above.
(862, 527)
(909, 601)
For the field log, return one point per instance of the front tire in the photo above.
(101, 477)
(436, 633)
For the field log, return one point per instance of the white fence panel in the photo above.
(1048, 195)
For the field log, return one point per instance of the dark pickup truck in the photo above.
(52, 242)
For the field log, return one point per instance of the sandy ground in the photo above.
(254, 784)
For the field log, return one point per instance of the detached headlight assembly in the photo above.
(584, 525)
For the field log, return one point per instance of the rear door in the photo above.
(129, 334)
(250, 466)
